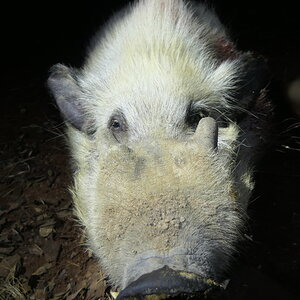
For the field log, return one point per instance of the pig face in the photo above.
(162, 146)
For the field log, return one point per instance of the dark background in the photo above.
(36, 36)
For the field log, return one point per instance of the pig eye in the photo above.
(117, 125)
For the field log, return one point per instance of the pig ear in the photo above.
(64, 87)
(254, 78)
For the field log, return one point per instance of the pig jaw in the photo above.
(204, 263)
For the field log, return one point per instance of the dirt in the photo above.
(41, 244)
(42, 252)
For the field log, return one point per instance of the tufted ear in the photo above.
(255, 77)
(68, 95)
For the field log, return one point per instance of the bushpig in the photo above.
(165, 120)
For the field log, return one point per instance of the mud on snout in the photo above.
(166, 215)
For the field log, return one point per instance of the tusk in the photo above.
(207, 133)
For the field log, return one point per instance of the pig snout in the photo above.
(166, 219)
(166, 282)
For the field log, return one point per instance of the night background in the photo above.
(40, 252)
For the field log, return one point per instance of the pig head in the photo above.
(164, 121)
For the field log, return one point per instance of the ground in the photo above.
(42, 252)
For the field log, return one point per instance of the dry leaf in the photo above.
(6, 250)
(45, 231)
(40, 294)
(36, 250)
(77, 289)
(10, 265)
(51, 250)
(42, 270)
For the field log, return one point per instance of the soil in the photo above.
(42, 252)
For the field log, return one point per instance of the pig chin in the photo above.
(203, 263)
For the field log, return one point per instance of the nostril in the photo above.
(164, 283)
